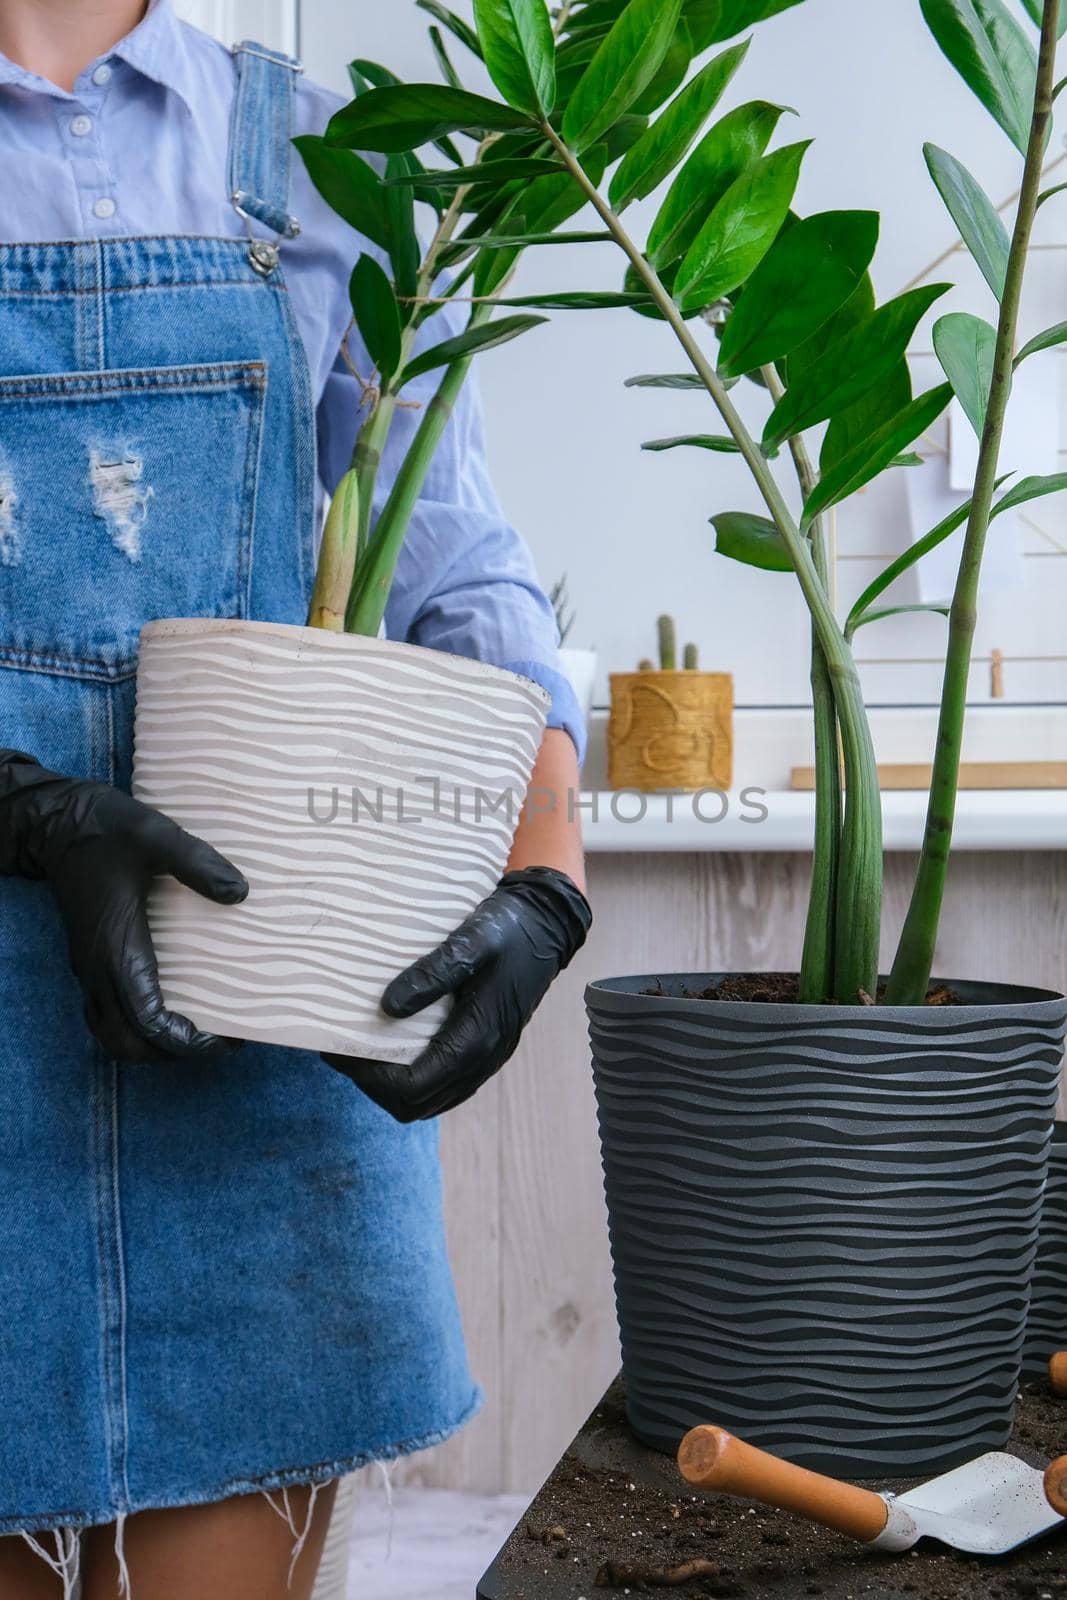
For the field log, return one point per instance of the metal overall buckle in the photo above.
(264, 254)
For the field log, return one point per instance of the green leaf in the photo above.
(483, 172)
(519, 51)
(1036, 11)
(485, 337)
(910, 557)
(992, 55)
(376, 313)
(443, 59)
(809, 273)
(856, 309)
(622, 136)
(348, 184)
(625, 63)
(940, 607)
(658, 151)
(664, 380)
(844, 373)
(700, 441)
(404, 116)
(740, 230)
(752, 540)
(367, 75)
(723, 154)
(455, 25)
(965, 347)
(669, 75)
(869, 458)
(712, 21)
(974, 214)
(1033, 488)
(404, 252)
(576, 300)
(522, 241)
(864, 416)
(596, 14)
(1048, 194)
(1043, 341)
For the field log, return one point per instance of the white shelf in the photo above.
(627, 823)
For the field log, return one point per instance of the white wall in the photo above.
(271, 22)
(631, 529)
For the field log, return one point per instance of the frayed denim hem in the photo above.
(288, 1477)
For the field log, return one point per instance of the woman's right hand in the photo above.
(100, 850)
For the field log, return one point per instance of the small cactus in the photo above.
(668, 651)
(668, 645)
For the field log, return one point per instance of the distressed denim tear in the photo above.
(120, 498)
(10, 538)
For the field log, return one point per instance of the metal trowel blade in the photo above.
(988, 1506)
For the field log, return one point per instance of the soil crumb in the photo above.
(782, 988)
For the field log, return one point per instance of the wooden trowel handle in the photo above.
(711, 1458)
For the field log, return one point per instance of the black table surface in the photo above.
(615, 1511)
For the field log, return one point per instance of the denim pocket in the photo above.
(124, 496)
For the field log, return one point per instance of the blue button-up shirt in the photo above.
(141, 147)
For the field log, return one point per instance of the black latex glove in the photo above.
(99, 850)
(498, 965)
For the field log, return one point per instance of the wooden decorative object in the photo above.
(671, 730)
(973, 775)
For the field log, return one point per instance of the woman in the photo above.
(224, 1277)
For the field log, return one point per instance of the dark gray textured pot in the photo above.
(824, 1218)
(1046, 1324)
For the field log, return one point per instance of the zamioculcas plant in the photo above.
(797, 313)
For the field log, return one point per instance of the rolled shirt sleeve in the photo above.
(465, 581)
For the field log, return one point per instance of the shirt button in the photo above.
(81, 126)
(104, 208)
(102, 75)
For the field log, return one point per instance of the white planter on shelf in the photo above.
(580, 669)
(368, 790)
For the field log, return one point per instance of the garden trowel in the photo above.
(986, 1507)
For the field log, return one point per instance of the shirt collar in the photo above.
(156, 48)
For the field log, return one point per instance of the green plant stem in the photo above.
(860, 872)
(915, 954)
(374, 431)
(371, 590)
(367, 458)
(818, 960)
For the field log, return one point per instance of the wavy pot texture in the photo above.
(1046, 1326)
(824, 1218)
(368, 791)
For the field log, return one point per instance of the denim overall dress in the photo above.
(223, 1277)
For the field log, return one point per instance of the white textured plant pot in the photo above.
(368, 791)
(579, 667)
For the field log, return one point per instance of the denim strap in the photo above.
(260, 134)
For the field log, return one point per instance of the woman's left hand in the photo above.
(497, 965)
